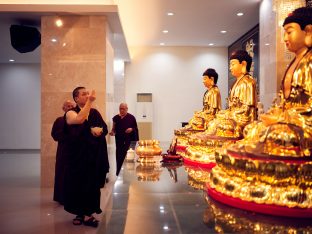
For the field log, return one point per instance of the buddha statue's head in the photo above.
(210, 77)
(298, 29)
(240, 63)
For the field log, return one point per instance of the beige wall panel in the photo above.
(145, 130)
(76, 58)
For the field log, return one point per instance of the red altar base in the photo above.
(190, 162)
(259, 208)
(181, 148)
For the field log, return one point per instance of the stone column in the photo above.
(72, 55)
(274, 56)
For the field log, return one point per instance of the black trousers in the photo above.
(121, 152)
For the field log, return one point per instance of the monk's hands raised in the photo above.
(92, 96)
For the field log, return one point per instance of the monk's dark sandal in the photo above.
(92, 222)
(78, 220)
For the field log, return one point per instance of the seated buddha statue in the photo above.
(211, 106)
(272, 165)
(278, 131)
(228, 124)
(241, 101)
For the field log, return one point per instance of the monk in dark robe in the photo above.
(59, 135)
(87, 159)
(125, 130)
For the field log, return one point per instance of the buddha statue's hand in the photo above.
(272, 116)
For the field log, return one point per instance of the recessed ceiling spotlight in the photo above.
(240, 14)
(162, 44)
(12, 60)
(267, 44)
(53, 40)
(223, 31)
(170, 13)
(165, 31)
(59, 23)
(211, 44)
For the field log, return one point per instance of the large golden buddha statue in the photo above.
(211, 106)
(229, 124)
(272, 166)
(241, 101)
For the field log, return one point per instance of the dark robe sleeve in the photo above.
(135, 136)
(57, 131)
(99, 146)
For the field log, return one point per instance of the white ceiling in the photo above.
(194, 23)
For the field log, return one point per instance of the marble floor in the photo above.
(27, 208)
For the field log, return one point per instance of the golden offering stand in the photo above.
(149, 151)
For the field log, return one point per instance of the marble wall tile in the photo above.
(274, 56)
(77, 57)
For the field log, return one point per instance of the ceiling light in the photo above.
(12, 60)
(162, 44)
(223, 31)
(170, 14)
(53, 40)
(211, 44)
(240, 14)
(267, 44)
(165, 31)
(59, 23)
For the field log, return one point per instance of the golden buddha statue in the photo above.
(229, 124)
(242, 99)
(211, 106)
(272, 165)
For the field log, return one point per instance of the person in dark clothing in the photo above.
(58, 135)
(125, 130)
(87, 159)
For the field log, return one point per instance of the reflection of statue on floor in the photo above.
(224, 219)
(211, 106)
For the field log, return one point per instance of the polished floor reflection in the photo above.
(145, 198)
(27, 208)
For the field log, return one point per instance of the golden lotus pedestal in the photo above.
(269, 184)
(182, 138)
(201, 150)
